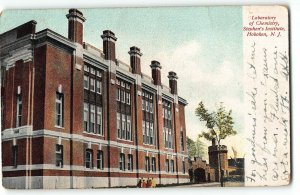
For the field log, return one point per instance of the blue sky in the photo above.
(202, 44)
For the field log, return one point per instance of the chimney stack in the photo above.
(213, 141)
(135, 60)
(75, 30)
(173, 82)
(156, 74)
(109, 46)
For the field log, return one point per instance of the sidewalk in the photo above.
(213, 184)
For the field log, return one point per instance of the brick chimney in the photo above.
(75, 30)
(213, 142)
(173, 82)
(135, 59)
(156, 74)
(109, 45)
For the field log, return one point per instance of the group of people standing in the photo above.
(149, 183)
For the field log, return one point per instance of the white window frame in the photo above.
(128, 128)
(130, 162)
(128, 98)
(59, 152)
(98, 87)
(86, 68)
(144, 131)
(123, 127)
(59, 100)
(89, 159)
(99, 73)
(86, 82)
(19, 111)
(172, 166)
(100, 160)
(99, 120)
(119, 125)
(92, 118)
(92, 84)
(123, 96)
(153, 164)
(86, 116)
(92, 71)
(118, 94)
(147, 163)
(122, 162)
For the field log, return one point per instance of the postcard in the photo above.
(145, 97)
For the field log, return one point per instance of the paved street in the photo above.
(214, 184)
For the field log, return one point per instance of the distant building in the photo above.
(74, 116)
(218, 158)
(200, 171)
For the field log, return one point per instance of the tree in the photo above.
(220, 126)
(195, 148)
(219, 123)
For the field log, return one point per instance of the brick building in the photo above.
(218, 159)
(74, 116)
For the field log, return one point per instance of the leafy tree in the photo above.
(219, 123)
(195, 148)
(220, 126)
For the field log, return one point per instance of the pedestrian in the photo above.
(149, 183)
(153, 185)
(144, 184)
(139, 185)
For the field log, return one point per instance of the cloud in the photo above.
(202, 80)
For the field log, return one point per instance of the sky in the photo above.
(203, 45)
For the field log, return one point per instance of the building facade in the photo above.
(74, 116)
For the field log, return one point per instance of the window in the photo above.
(19, 111)
(183, 167)
(100, 161)
(86, 116)
(172, 166)
(99, 74)
(128, 128)
(167, 118)
(153, 164)
(181, 140)
(123, 97)
(147, 164)
(122, 161)
(99, 129)
(86, 68)
(123, 126)
(167, 165)
(92, 71)
(151, 133)
(86, 82)
(92, 84)
(92, 117)
(118, 94)
(148, 118)
(144, 131)
(130, 162)
(59, 109)
(119, 124)
(143, 103)
(15, 156)
(59, 155)
(98, 87)
(93, 113)
(128, 98)
(124, 110)
(89, 158)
